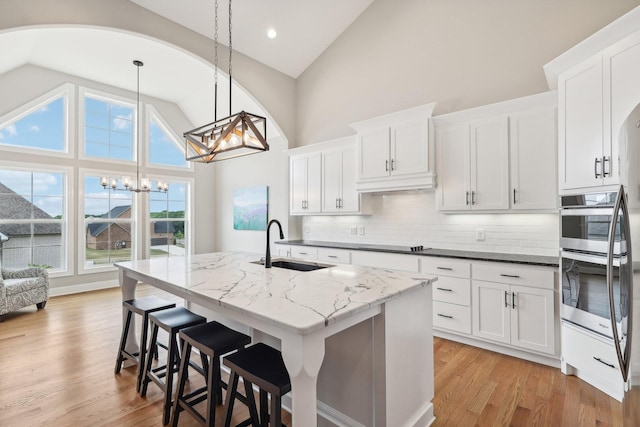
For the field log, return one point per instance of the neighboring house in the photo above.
(99, 234)
(15, 238)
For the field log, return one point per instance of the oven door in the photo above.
(585, 296)
(587, 230)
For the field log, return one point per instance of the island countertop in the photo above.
(302, 302)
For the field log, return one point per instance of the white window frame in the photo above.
(68, 217)
(82, 244)
(110, 98)
(67, 93)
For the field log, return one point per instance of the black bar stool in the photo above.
(171, 321)
(263, 366)
(143, 307)
(212, 340)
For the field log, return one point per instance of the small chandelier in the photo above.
(237, 135)
(142, 185)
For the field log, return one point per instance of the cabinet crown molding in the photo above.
(415, 113)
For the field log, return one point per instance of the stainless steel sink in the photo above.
(295, 265)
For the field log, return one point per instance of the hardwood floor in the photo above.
(57, 370)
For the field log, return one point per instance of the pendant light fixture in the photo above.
(142, 185)
(237, 135)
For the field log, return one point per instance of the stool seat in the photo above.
(263, 366)
(142, 306)
(171, 321)
(212, 340)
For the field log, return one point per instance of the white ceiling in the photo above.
(305, 27)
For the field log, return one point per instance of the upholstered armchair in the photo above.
(23, 287)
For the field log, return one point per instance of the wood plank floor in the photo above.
(57, 370)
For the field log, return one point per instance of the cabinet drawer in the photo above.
(446, 267)
(453, 290)
(593, 357)
(304, 252)
(334, 255)
(452, 316)
(517, 274)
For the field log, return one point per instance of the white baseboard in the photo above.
(328, 413)
(75, 289)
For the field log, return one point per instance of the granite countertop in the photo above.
(302, 302)
(447, 253)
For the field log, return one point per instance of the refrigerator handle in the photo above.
(621, 203)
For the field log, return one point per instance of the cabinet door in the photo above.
(298, 184)
(580, 130)
(374, 154)
(331, 180)
(314, 183)
(491, 311)
(409, 148)
(533, 159)
(350, 198)
(489, 159)
(452, 166)
(532, 319)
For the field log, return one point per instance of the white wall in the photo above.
(460, 54)
(411, 219)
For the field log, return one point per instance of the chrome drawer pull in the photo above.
(604, 363)
(444, 268)
(445, 289)
(332, 256)
(514, 276)
(445, 316)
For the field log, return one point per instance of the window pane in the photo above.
(167, 238)
(106, 243)
(109, 123)
(163, 150)
(24, 244)
(42, 128)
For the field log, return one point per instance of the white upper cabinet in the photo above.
(393, 151)
(532, 140)
(339, 181)
(499, 156)
(323, 179)
(305, 184)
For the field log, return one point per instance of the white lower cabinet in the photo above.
(304, 252)
(330, 255)
(514, 305)
(283, 251)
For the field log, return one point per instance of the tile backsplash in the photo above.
(411, 219)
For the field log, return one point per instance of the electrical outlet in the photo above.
(354, 230)
(307, 229)
(361, 230)
(480, 235)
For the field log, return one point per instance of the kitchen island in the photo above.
(303, 309)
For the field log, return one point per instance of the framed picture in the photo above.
(250, 208)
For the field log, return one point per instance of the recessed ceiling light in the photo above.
(271, 33)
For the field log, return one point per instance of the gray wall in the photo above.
(461, 53)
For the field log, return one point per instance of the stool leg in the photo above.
(264, 408)
(276, 411)
(217, 382)
(182, 379)
(232, 389)
(143, 349)
(212, 380)
(123, 342)
(172, 359)
(147, 365)
(251, 402)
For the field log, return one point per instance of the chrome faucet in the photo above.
(267, 257)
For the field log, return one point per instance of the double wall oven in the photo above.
(595, 265)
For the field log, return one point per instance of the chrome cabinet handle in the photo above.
(337, 206)
(605, 159)
(466, 197)
(332, 256)
(595, 168)
(302, 253)
(446, 316)
(506, 295)
(513, 276)
(513, 300)
(340, 205)
(611, 365)
(473, 197)
(393, 161)
(445, 289)
(444, 268)
(386, 165)
(514, 196)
